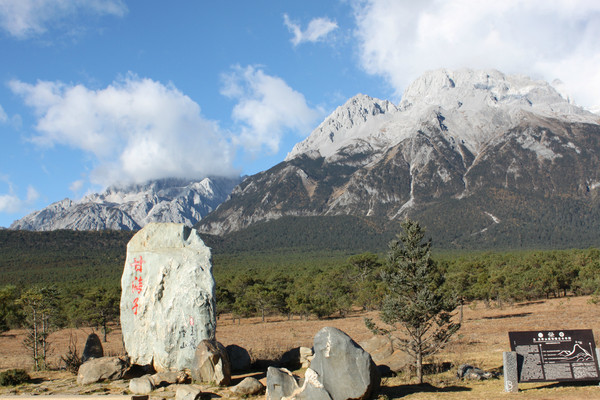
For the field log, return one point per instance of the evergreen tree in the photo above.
(100, 306)
(9, 314)
(39, 305)
(416, 303)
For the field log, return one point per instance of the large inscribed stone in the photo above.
(168, 296)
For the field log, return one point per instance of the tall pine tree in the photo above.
(416, 303)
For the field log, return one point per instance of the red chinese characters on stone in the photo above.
(135, 305)
(137, 264)
(137, 284)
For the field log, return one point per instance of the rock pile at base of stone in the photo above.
(101, 369)
(340, 370)
(168, 296)
(211, 363)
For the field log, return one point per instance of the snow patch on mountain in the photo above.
(470, 107)
(358, 119)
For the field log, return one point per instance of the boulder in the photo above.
(167, 378)
(280, 383)
(211, 363)
(239, 358)
(188, 392)
(92, 349)
(343, 367)
(141, 385)
(397, 361)
(379, 347)
(168, 296)
(101, 369)
(248, 387)
(466, 371)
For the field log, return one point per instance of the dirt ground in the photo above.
(480, 342)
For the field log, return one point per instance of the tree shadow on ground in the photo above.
(524, 314)
(405, 390)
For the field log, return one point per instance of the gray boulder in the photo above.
(168, 296)
(468, 372)
(239, 358)
(92, 349)
(379, 347)
(188, 392)
(101, 369)
(141, 385)
(383, 353)
(248, 387)
(211, 363)
(343, 367)
(280, 383)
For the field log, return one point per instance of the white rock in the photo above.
(168, 296)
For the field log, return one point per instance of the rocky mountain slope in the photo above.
(133, 206)
(474, 155)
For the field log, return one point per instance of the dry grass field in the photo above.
(480, 342)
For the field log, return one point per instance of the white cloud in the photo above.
(32, 195)
(76, 186)
(11, 202)
(399, 40)
(3, 116)
(136, 129)
(266, 108)
(317, 29)
(26, 18)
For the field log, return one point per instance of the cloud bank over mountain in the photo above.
(399, 40)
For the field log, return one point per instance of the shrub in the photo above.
(13, 377)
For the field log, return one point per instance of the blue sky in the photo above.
(102, 92)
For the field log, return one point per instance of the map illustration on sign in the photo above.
(578, 354)
(562, 355)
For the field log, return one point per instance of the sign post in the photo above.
(559, 355)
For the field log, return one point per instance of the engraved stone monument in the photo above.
(168, 296)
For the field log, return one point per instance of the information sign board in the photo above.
(560, 355)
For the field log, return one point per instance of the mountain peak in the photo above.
(476, 89)
(473, 106)
(347, 123)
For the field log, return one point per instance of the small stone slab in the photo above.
(188, 392)
(248, 387)
(511, 373)
(280, 383)
(142, 385)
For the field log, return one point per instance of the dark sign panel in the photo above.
(561, 355)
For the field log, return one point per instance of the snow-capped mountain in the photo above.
(468, 153)
(133, 206)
